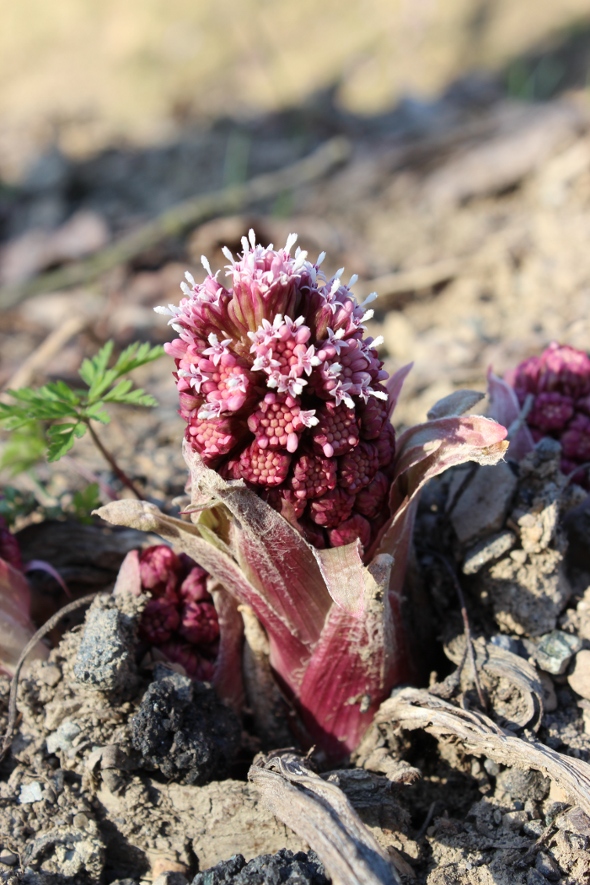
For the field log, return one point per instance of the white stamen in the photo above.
(252, 238)
(186, 290)
(189, 277)
(353, 280)
(291, 240)
(321, 259)
(206, 265)
(299, 260)
(368, 315)
(228, 254)
(339, 273)
(378, 341)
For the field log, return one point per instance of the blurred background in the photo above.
(459, 188)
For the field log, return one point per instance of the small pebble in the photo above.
(80, 820)
(30, 793)
(533, 828)
(514, 820)
(62, 737)
(579, 678)
(487, 550)
(549, 696)
(555, 650)
(50, 675)
(8, 858)
(491, 767)
(545, 865)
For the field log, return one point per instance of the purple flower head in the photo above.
(199, 623)
(280, 386)
(160, 569)
(159, 620)
(194, 586)
(557, 385)
(180, 619)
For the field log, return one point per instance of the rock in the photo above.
(514, 820)
(65, 852)
(62, 737)
(30, 793)
(50, 675)
(487, 550)
(579, 678)
(8, 858)
(555, 651)
(522, 785)
(545, 865)
(185, 731)
(267, 869)
(483, 504)
(105, 656)
(549, 695)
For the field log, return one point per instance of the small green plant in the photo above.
(46, 421)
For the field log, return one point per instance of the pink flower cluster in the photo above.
(280, 387)
(559, 383)
(180, 619)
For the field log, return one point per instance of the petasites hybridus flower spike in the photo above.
(548, 395)
(276, 376)
(302, 505)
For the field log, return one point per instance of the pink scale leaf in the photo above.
(506, 409)
(16, 627)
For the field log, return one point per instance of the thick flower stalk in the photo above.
(302, 504)
(550, 394)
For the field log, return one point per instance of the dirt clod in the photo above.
(183, 730)
(105, 656)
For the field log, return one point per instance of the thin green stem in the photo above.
(119, 473)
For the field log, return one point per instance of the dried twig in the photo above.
(174, 221)
(51, 346)
(413, 709)
(494, 661)
(321, 814)
(41, 632)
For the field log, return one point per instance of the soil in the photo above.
(472, 223)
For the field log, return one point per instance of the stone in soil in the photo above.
(183, 730)
(105, 657)
(282, 868)
(555, 651)
(579, 678)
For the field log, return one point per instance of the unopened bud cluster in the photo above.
(180, 619)
(280, 387)
(558, 381)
